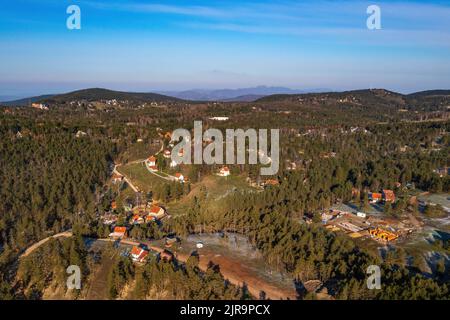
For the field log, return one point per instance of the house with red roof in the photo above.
(139, 254)
(151, 161)
(118, 233)
(388, 196)
(136, 219)
(375, 197)
(157, 212)
(179, 176)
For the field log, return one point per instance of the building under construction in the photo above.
(383, 235)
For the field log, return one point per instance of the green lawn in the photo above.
(217, 188)
(141, 177)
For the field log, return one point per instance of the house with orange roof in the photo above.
(375, 197)
(139, 254)
(157, 212)
(388, 196)
(179, 176)
(136, 219)
(151, 161)
(118, 233)
(167, 154)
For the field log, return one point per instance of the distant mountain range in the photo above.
(242, 94)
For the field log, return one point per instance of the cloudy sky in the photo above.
(145, 45)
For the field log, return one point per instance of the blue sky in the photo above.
(144, 45)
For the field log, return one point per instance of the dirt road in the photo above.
(65, 234)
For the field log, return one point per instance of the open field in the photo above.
(217, 189)
(140, 177)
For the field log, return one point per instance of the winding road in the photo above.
(32, 248)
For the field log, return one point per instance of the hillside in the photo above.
(380, 99)
(26, 101)
(94, 94)
(430, 93)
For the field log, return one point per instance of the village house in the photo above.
(136, 219)
(149, 218)
(388, 196)
(219, 118)
(40, 106)
(117, 178)
(375, 197)
(118, 233)
(114, 205)
(167, 154)
(224, 172)
(170, 241)
(139, 254)
(179, 177)
(151, 162)
(157, 212)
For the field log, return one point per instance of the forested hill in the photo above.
(372, 98)
(95, 94)
(430, 94)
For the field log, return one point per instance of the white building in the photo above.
(219, 118)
